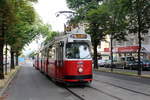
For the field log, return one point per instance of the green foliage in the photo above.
(102, 18)
(139, 15)
(117, 22)
(139, 22)
(50, 36)
(97, 27)
(78, 4)
(21, 22)
(19, 32)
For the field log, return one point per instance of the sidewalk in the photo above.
(145, 74)
(8, 78)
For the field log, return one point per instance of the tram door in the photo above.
(59, 60)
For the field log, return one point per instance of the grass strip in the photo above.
(8, 76)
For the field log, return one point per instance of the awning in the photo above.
(128, 49)
(123, 49)
(145, 48)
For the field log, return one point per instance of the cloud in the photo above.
(47, 10)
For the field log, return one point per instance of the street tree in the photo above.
(20, 32)
(20, 25)
(6, 17)
(101, 20)
(87, 13)
(97, 27)
(139, 22)
(116, 23)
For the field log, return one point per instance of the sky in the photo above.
(47, 9)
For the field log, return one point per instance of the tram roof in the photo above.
(68, 37)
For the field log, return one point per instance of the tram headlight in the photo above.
(80, 70)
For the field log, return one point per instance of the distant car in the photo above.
(101, 63)
(107, 63)
(135, 65)
(146, 64)
(128, 61)
(119, 63)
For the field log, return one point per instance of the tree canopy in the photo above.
(102, 17)
(19, 25)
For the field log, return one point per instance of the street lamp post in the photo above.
(67, 16)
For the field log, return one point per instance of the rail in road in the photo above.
(74, 93)
(103, 92)
(95, 89)
(114, 85)
(82, 96)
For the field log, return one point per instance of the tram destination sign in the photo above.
(81, 36)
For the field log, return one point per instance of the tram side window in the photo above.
(49, 51)
(40, 56)
(52, 52)
(59, 53)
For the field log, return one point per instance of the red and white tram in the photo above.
(67, 58)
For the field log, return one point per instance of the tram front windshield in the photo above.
(78, 51)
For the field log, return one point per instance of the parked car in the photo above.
(135, 65)
(101, 63)
(128, 61)
(107, 63)
(119, 63)
(146, 64)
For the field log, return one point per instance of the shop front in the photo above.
(130, 51)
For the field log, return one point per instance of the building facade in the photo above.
(129, 47)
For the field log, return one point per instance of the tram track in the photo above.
(105, 93)
(95, 89)
(75, 94)
(130, 90)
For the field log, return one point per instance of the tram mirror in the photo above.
(61, 43)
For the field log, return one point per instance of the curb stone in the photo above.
(9, 81)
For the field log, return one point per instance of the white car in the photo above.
(101, 63)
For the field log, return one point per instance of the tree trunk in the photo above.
(111, 52)
(12, 58)
(139, 54)
(6, 59)
(139, 36)
(95, 56)
(1, 56)
(1, 48)
(16, 59)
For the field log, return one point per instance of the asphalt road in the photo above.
(124, 77)
(30, 84)
(123, 86)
